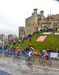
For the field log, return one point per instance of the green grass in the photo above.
(51, 41)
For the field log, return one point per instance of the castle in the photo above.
(38, 21)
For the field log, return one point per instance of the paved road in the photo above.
(16, 66)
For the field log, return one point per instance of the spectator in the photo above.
(57, 50)
(30, 39)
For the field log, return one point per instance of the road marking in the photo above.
(45, 67)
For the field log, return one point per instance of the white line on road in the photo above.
(45, 67)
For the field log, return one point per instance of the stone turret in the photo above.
(34, 12)
(42, 14)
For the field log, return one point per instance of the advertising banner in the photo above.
(53, 55)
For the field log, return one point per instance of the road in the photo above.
(18, 66)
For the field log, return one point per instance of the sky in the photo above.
(14, 12)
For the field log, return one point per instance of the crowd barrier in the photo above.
(54, 55)
(15, 52)
(27, 53)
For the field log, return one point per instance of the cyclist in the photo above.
(45, 56)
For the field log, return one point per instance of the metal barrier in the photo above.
(54, 55)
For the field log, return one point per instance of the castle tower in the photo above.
(42, 14)
(34, 12)
(31, 23)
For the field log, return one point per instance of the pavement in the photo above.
(18, 66)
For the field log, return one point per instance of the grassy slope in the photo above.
(51, 41)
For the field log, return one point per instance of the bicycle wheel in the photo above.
(49, 62)
(41, 61)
